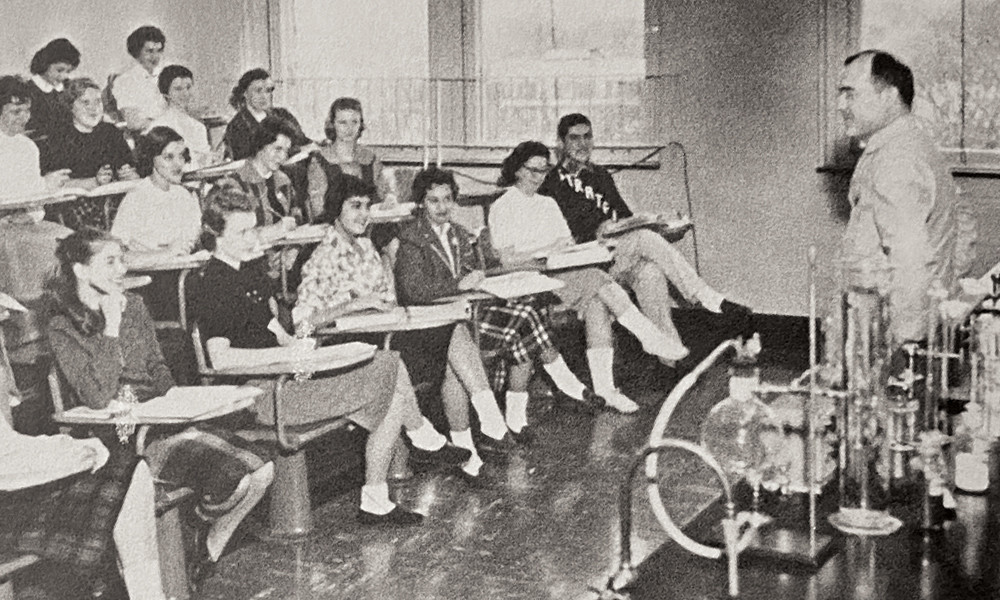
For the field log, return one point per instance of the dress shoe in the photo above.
(738, 319)
(397, 517)
(199, 565)
(482, 481)
(620, 402)
(591, 403)
(447, 455)
(492, 447)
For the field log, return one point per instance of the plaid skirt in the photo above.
(69, 521)
(517, 330)
(92, 213)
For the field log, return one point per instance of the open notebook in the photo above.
(397, 317)
(580, 255)
(178, 404)
(519, 283)
(225, 357)
(661, 223)
(139, 260)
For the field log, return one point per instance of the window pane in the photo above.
(982, 74)
(376, 51)
(543, 59)
(927, 36)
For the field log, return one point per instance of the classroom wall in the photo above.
(207, 36)
(739, 91)
(734, 81)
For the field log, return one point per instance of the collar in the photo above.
(225, 258)
(141, 70)
(249, 173)
(441, 230)
(588, 166)
(257, 169)
(904, 125)
(45, 86)
(258, 115)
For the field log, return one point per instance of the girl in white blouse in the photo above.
(523, 223)
(160, 214)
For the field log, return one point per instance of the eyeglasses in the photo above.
(539, 170)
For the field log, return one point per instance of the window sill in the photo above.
(612, 157)
(991, 171)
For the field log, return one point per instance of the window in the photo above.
(949, 45)
(465, 72)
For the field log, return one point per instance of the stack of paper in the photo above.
(40, 199)
(191, 402)
(659, 222)
(452, 311)
(164, 260)
(306, 232)
(371, 319)
(220, 170)
(226, 357)
(384, 210)
(520, 283)
(580, 255)
(112, 189)
(178, 404)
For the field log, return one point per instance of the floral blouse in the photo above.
(340, 271)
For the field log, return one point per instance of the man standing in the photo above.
(904, 229)
(644, 261)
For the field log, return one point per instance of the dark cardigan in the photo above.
(422, 271)
(240, 130)
(96, 365)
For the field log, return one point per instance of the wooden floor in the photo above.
(548, 529)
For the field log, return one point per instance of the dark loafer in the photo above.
(492, 447)
(397, 517)
(591, 404)
(447, 455)
(738, 319)
(525, 437)
(477, 482)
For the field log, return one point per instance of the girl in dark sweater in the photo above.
(235, 300)
(104, 345)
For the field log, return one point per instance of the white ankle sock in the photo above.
(653, 340)
(426, 437)
(711, 300)
(601, 362)
(564, 379)
(517, 411)
(463, 439)
(490, 419)
(375, 498)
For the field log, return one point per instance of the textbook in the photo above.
(156, 260)
(580, 255)
(520, 283)
(384, 211)
(223, 356)
(660, 223)
(405, 317)
(180, 403)
(306, 232)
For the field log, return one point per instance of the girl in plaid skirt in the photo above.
(61, 499)
(104, 343)
(438, 258)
